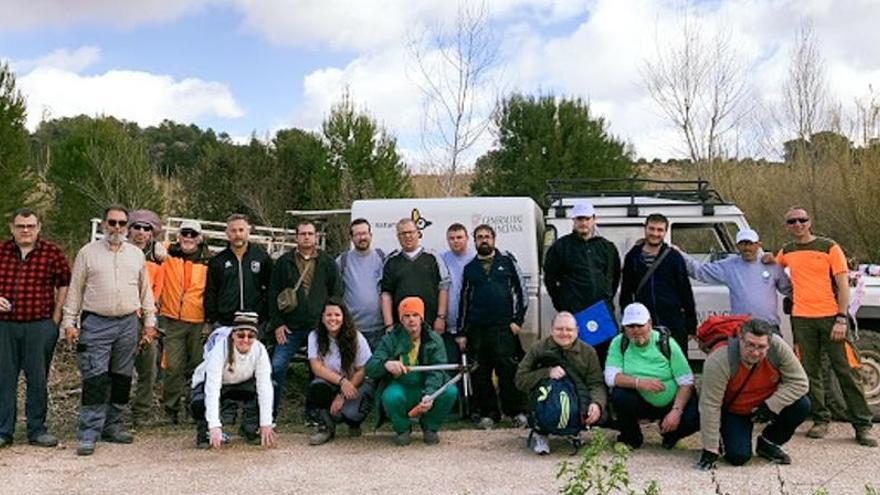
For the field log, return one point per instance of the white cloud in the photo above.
(141, 97)
(21, 15)
(70, 60)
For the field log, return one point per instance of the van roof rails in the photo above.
(697, 191)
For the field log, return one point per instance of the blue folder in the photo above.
(596, 324)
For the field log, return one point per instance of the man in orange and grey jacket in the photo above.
(144, 227)
(754, 379)
(182, 312)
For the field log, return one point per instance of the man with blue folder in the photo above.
(582, 269)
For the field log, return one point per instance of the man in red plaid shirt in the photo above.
(34, 275)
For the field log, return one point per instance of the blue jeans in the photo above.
(736, 430)
(281, 357)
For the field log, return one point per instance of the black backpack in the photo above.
(662, 342)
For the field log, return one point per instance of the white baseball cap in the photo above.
(746, 235)
(583, 209)
(635, 314)
(191, 225)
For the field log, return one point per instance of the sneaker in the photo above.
(322, 436)
(117, 437)
(540, 445)
(354, 431)
(5, 442)
(669, 443)
(44, 440)
(485, 423)
(631, 442)
(430, 437)
(85, 447)
(865, 438)
(520, 421)
(224, 437)
(818, 430)
(403, 438)
(772, 452)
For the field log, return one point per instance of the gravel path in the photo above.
(475, 462)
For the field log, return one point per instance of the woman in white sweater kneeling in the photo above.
(235, 370)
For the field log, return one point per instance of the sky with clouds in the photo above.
(255, 66)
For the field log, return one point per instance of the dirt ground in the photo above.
(466, 461)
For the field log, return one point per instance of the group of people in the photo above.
(378, 327)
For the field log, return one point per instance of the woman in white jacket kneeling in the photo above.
(235, 371)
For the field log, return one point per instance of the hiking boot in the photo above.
(485, 423)
(322, 436)
(354, 431)
(403, 438)
(5, 442)
(85, 447)
(772, 452)
(430, 437)
(520, 421)
(117, 437)
(202, 442)
(44, 440)
(865, 438)
(818, 430)
(540, 445)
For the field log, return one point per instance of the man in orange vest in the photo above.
(754, 379)
(144, 226)
(182, 312)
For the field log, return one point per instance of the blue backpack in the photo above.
(555, 408)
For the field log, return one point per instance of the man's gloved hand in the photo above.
(707, 460)
(762, 414)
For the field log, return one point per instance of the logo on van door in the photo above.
(421, 222)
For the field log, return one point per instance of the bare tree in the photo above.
(805, 92)
(454, 71)
(702, 88)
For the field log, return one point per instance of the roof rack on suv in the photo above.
(697, 191)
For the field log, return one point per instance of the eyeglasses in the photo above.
(792, 221)
(23, 226)
(245, 335)
(113, 222)
(188, 233)
(143, 227)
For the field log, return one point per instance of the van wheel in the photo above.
(868, 346)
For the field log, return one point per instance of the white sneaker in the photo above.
(540, 444)
(485, 423)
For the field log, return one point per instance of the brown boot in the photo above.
(818, 430)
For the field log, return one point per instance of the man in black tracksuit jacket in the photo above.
(491, 312)
(667, 292)
(582, 268)
(238, 277)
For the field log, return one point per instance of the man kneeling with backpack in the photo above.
(563, 378)
(650, 378)
(754, 379)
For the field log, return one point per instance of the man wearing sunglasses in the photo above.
(182, 312)
(819, 276)
(34, 275)
(109, 290)
(144, 226)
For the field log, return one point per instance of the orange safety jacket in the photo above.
(183, 290)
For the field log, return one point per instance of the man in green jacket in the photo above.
(411, 342)
(550, 357)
